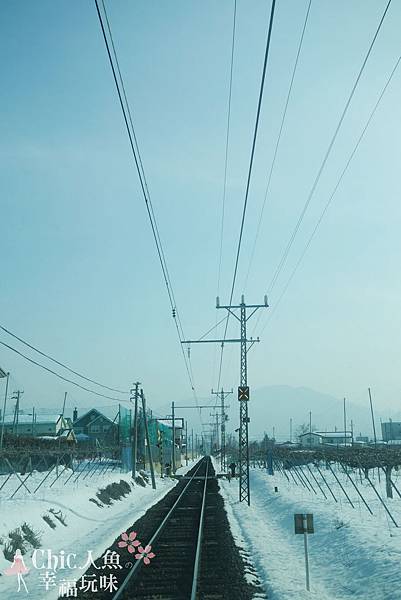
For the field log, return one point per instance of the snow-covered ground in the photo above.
(352, 554)
(89, 527)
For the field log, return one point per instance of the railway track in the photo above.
(196, 557)
(178, 543)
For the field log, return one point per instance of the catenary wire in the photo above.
(129, 114)
(227, 147)
(273, 163)
(255, 133)
(147, 199)
(223, 203)
(327, 154)
(335, 189)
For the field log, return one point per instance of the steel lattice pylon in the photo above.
(243, 448)
(243, 390)
(243, 396)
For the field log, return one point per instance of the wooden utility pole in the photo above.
(345, 425)
(16, 411)
(173, 444)
(134, 442)
(373, 418)
(152, 472)
(186, 442)
(4, 408)
(223, 395)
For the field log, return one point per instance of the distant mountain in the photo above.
(273, 406)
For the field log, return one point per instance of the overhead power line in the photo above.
(328, 203)
(273, 163)
(162, 256)
(34, 362)
(57, 362)
(127, 115)
(327, 154)
(255, 134)
(223, 203)
(227, 146)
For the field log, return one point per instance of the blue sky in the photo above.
(80, 276)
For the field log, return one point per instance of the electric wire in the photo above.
(145, 191)
(57, 362)
(225, 174)
(227, 147)
(327, 154)
(136, 154)
(255, 134)
(34, 362)
(244, 210)
(129, 114)
(335, 189)
(212, 328)
(273, 163)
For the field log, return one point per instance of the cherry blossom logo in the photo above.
(133, 545)
(129, 541)
(145, 554)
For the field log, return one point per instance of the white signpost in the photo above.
(304, 525)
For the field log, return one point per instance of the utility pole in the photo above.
(161, 452)
(152, 472)
(134, 443)
(373, 418)
(215, 430)
(16, 411)
(4, 407)
(290, 429)
(345, 425)
(173, 444)
(243, 389)
(223, 395)
(186, 443)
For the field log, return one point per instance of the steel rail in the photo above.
(199, 542)
(138, 564)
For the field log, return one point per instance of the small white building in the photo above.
(337, 438)
(37, 425)
(310, 439)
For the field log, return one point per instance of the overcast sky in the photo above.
(79, 272)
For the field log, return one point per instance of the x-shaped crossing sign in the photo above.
(243, 392)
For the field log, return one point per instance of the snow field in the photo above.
(89, 527)
(352, 553)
